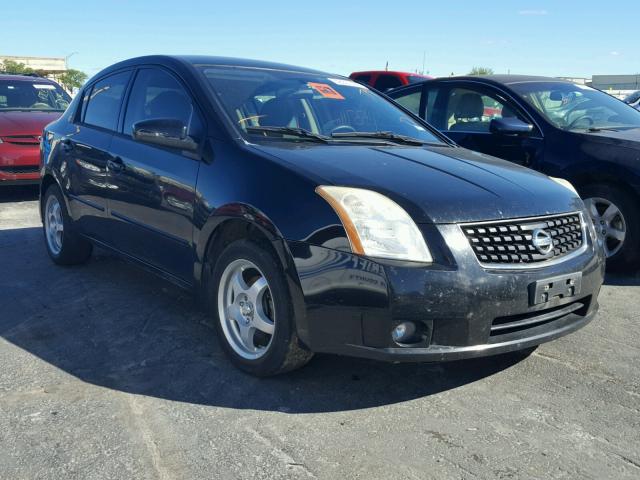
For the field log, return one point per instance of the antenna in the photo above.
(424, 59)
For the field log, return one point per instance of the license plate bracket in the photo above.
(560, 287)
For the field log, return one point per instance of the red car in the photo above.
(27, 104)
(383, 80)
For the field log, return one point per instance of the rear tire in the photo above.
(251, 305)
(64, 245)
(615, 215)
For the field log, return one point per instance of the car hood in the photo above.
(433, 184)
(623, 138)
(25, 123)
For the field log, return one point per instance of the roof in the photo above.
(491, 79)
(26, 78)
(195, 60)
(511, 79)
(392, 72)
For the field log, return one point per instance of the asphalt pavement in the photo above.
(107, 372)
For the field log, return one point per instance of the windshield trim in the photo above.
(236, 131)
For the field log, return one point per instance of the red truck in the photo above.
(384, 80)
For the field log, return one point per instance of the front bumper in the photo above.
(352, 303)
(19, 164)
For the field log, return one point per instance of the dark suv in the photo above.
(557, 127)
(313, 215)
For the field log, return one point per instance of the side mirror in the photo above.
(509, 126)
(167, 132)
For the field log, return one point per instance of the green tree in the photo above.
(481, 71)
(10, 66)
(72, 79)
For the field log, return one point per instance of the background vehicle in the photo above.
(553, 126)
(294, 202)
(384, 80)
(27, 104)
(633, 99)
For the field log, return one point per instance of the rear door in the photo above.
(86, 153)
(152, 199)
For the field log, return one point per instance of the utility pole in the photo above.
(66, 60)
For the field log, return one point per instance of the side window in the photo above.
(472, 111)
(104, 99)
(386, 82)
(410, 100)
(157, 94)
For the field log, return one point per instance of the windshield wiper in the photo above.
(393, 137)
(295, 132)
(600, 129)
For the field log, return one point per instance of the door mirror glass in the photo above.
(166, 132)
(509, 126)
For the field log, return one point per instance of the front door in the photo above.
(464, 114)
(153, 187)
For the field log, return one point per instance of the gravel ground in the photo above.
(109, 372)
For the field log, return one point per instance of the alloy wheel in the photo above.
(608, 222)
(245, 309)
(53, 224)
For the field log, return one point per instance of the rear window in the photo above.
(36, 95)
(104, 99)
(387, 82)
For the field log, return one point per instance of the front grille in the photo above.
(512, 241)
(17, 169)
(22, 139)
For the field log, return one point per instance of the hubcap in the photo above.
(245, 309)
(53, 224)
(609, 224)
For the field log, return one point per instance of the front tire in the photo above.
(252, 311)
(616, 219)
(64, 245)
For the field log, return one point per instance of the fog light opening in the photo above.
(404, 332)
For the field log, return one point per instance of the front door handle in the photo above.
(67, 144)
(115, 164)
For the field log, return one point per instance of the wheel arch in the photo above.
(237, 221)
(47, 180)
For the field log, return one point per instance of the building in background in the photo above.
(50, 67)
(616, 85)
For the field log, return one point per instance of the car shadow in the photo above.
(15, 193)
(111, 324)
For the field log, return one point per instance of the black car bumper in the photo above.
(461, 309)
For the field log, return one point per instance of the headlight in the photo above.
(376, 226)
(566, 184)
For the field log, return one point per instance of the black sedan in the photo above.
(553, 126)
(311, 214)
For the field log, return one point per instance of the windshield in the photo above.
(332, 107)
(32, 96)
(577, 107)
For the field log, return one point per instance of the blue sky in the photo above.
(557, 38)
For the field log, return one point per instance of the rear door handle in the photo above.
(115, 164)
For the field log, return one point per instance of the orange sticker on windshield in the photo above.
(325, 90)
